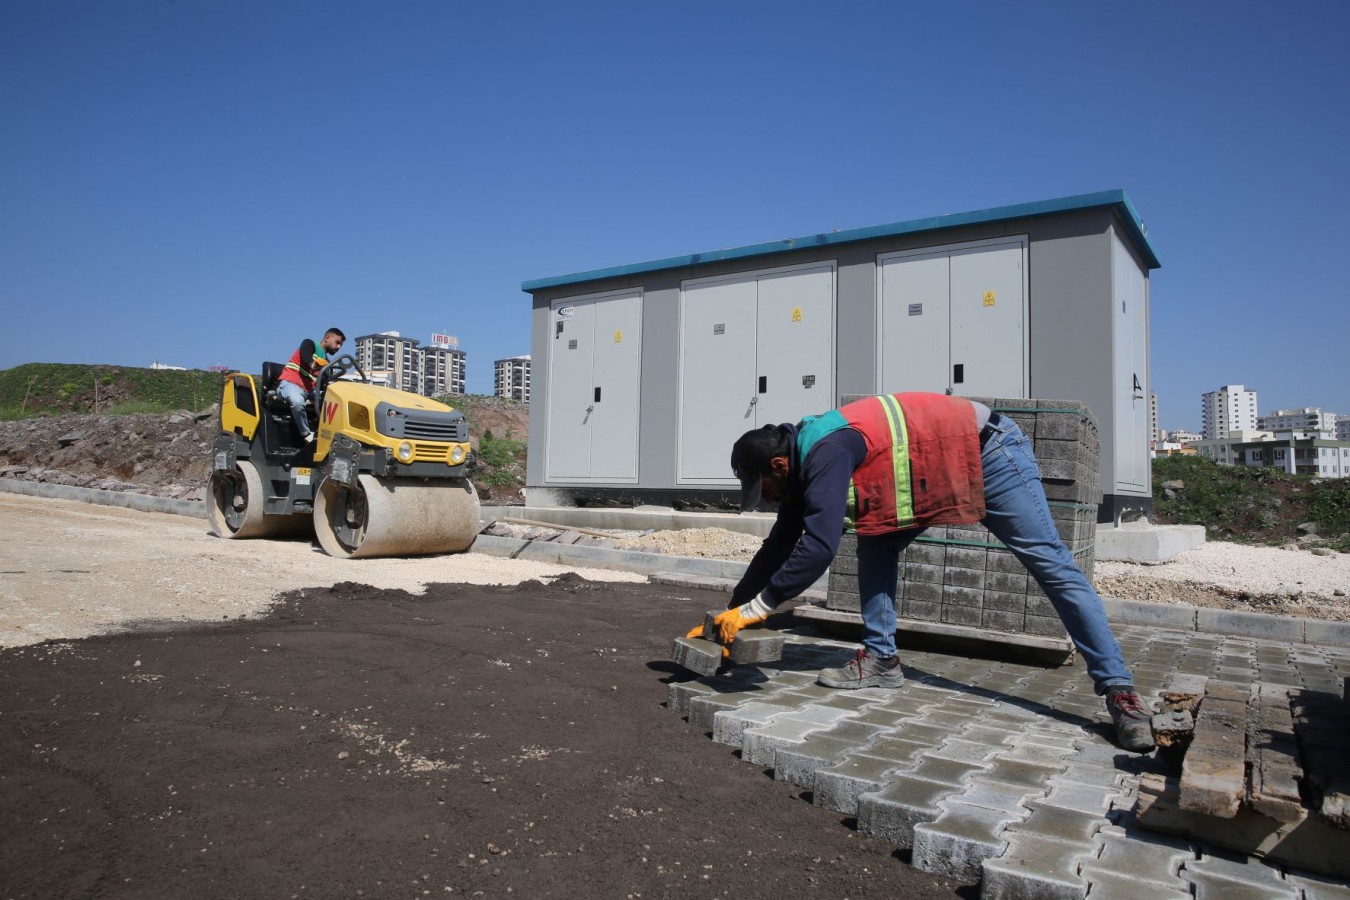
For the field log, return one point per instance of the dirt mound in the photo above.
(168, 454)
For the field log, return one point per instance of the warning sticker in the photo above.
(618, 337)
(989, 298)
(796, 313)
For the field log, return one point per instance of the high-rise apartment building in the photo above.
(1343, 427)
(443, 369)
(513, 378)
(391, 359)
(1230, 408)
(1307, 419)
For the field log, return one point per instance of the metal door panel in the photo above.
(717, 376)
(614, 420)
(915, 323)
(1130, 372)
(795, 346)
(988, 315)
(570, 369)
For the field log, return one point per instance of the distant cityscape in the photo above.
(435, 370)
(1304, 441)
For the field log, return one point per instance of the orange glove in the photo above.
(738, 617)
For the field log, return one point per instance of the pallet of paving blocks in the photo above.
(1259, 768)
(961, 580)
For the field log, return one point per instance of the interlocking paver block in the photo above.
(999, 795)
(1034, 868)
(957, 842)
(1318, 887)
(729, 725)
(894, 811)
(1060, 824)
(839, 786)
(1124, 886)
(1082, 797)
(798, 764)
(1142, 855)
(757, 645)
(1250, 872)
(696, 655)
(758, 745)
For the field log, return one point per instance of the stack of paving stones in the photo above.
(962, 575)
(1001, 772)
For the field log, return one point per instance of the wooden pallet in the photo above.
(1263, 769)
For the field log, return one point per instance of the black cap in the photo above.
(750, 457)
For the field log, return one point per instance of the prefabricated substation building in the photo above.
(645, 374)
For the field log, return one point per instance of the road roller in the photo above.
(387, 473)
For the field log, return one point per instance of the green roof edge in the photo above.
(1134, 226)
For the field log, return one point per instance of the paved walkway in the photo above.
(1002, 772)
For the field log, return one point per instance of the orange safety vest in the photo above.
(922, 465)
(296, 374)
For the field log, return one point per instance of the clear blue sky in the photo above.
(207, 182)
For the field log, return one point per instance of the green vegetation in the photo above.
(500, 460)
(40, 389)
(1247, 504)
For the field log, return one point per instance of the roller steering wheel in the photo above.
(333, 371)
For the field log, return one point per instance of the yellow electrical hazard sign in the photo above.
(796, 313)
(618, 337)
(989, 298)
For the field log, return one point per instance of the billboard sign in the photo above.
(444, 341)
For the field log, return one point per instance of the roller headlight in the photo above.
(456, 454)
(405, 452)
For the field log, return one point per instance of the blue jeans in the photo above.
(1016, 512)
(296, 396)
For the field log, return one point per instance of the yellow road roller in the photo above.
(387, 475)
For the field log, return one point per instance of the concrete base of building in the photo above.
(1145, 542)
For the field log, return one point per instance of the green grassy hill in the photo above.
(54, 388)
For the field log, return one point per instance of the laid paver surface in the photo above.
(1000, 768)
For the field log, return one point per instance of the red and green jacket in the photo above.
(879, 465)
(922, 465)
(305, 364)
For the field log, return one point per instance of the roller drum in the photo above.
(395, 517)
(237, 500)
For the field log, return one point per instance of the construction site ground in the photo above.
(183, 715)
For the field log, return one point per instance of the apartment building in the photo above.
(1343, 427)
(513, 378)
(1230, 408)
(1308, 419)
(443, 370)
(400, 362)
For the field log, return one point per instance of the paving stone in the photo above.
(890, 746)
(798, 764)
(1060, 824)
(957, 842)
(1249, 872)
(696, 655)
(759, 745)
(961, 750)
(893, 812)
(839, 786)
(1034, 868)
(1318, 887)
(1105, 883)
(1082, 797)
(729, 725)
(1010, 798)
(703, 709)
(679, 693)
(1086, 773)
(1021, 773)
(990, 734)
(1142, 855)
(1206, 887)
(757, 645)
(945, 771)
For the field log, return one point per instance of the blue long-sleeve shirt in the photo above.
(805, 537)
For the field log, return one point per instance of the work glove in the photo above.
(733, 620)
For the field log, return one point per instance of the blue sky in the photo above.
(205, 183)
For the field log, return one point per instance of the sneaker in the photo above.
(309, 438)
(1133, 722)
(864, 670)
